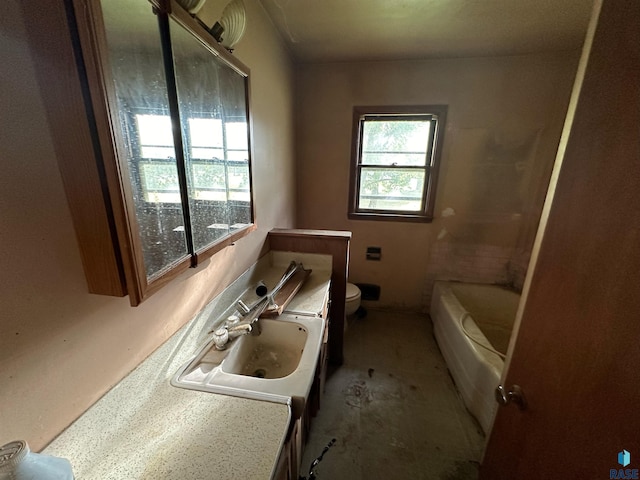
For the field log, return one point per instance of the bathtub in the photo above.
(490, 312)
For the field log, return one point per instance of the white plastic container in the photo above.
(18, 462)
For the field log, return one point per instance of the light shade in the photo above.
(193, 6)
(234, 21)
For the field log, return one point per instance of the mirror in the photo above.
(181, 130)
(214, 124)
(147, 151)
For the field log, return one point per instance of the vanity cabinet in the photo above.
(290, 462)
(283, 467)
(336, 244)
(151, 125)
(329, 242)
(321, 371)
(288, 466)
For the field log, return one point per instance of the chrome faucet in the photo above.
(236, 326)
(248, 315)
(223, 334)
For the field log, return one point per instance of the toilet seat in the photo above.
(353, 292)
(352, 299)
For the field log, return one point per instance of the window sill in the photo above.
(390, 217)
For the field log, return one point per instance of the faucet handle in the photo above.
(220, 338)
(243, 327)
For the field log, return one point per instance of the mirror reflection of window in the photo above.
(211, 180)
(238, 154)
(237, 147)
(154, 133)
(207, 159)
(212, 108)
(239, 182)
(206, 138)
(142, 133)
(158, 172)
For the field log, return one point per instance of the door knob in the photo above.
(515, 395)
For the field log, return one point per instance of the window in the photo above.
(395, 157)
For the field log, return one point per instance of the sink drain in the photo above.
(260, 373)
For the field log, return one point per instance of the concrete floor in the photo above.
(393, 408)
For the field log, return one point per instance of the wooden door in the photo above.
(577, 351)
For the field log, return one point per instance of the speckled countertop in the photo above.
(144, 428)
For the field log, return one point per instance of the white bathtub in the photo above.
(475, 370)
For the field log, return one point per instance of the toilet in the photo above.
(352, 299)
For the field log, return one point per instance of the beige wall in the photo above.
(60, 347)
(504, 121)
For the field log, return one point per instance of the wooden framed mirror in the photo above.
(172, 122)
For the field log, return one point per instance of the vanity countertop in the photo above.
(144, 428)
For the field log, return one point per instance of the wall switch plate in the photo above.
(374, 253)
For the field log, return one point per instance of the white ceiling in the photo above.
(347, 30)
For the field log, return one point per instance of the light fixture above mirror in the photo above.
(224, 20)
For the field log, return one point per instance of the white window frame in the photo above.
(436, 114)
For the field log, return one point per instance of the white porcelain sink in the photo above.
(275, 353)
(278, 365)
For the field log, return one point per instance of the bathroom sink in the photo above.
(277, 365)
(275, 353)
